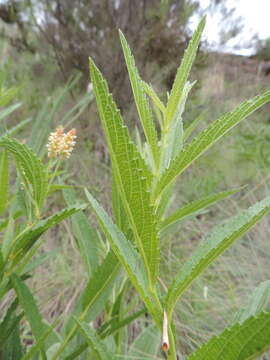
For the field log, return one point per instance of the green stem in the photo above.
(172, 355)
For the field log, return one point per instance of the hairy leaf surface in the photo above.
(127, 255)
(183, 73)
(30, 167)
(25, 240)
(207, 138)
(141, 101)
(131, 175)
(240, 342)
(218, 240)
(194, 207)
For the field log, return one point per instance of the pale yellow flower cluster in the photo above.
(60, 144)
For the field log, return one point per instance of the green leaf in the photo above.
(132, 176)
(146, 345)
(30, 308)
(152, 94)
(207, 138)
(244, 341)
(7, 95)
(99, 348)
(17, 127)
(8, 238)
(194, 207)
(9, 322)
(6, 112)
(12, 350)
(49, 329)
(214, 243)
(257, 301)
(32, 170)
(127, 256)
(4, 181)
(172, 136)
(141, 101)
(86, 236)
(95, 295)
(99, 287)
(27, 238)
(112, 327)
(183, 73)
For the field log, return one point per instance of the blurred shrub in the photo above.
(71, 30)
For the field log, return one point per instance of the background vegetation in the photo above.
(44, 61)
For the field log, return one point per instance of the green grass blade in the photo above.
(86, 236)
(98, 347)
(7, 95)
(112, 327)
(49, 330)
(194, 207)
(244, 341)
(8, 238)
(12, 131)
(257, 302)
(30, 308)
(92, 300)
(4, 181)
(207, 138)
(6, 112)
(127, 256)
(143, 107)
(12, 350)
(214, 244)
(97, 291)
(131, 175)
(183, 73)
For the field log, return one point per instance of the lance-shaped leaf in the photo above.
(86, 236)
(172, 136)
(256, 303)
(127, 256)
(31, 168)
(244, 341)
(26, 239)
(217, 241)
(131, 175)
(30, 308)
(194, 207)
(97, 291)
(3, 181)
(207, 138)
(6, 112)
(183, 73)
(141, 100)
(153, 95)
(98, 347)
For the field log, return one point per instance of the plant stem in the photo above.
(172, 351)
